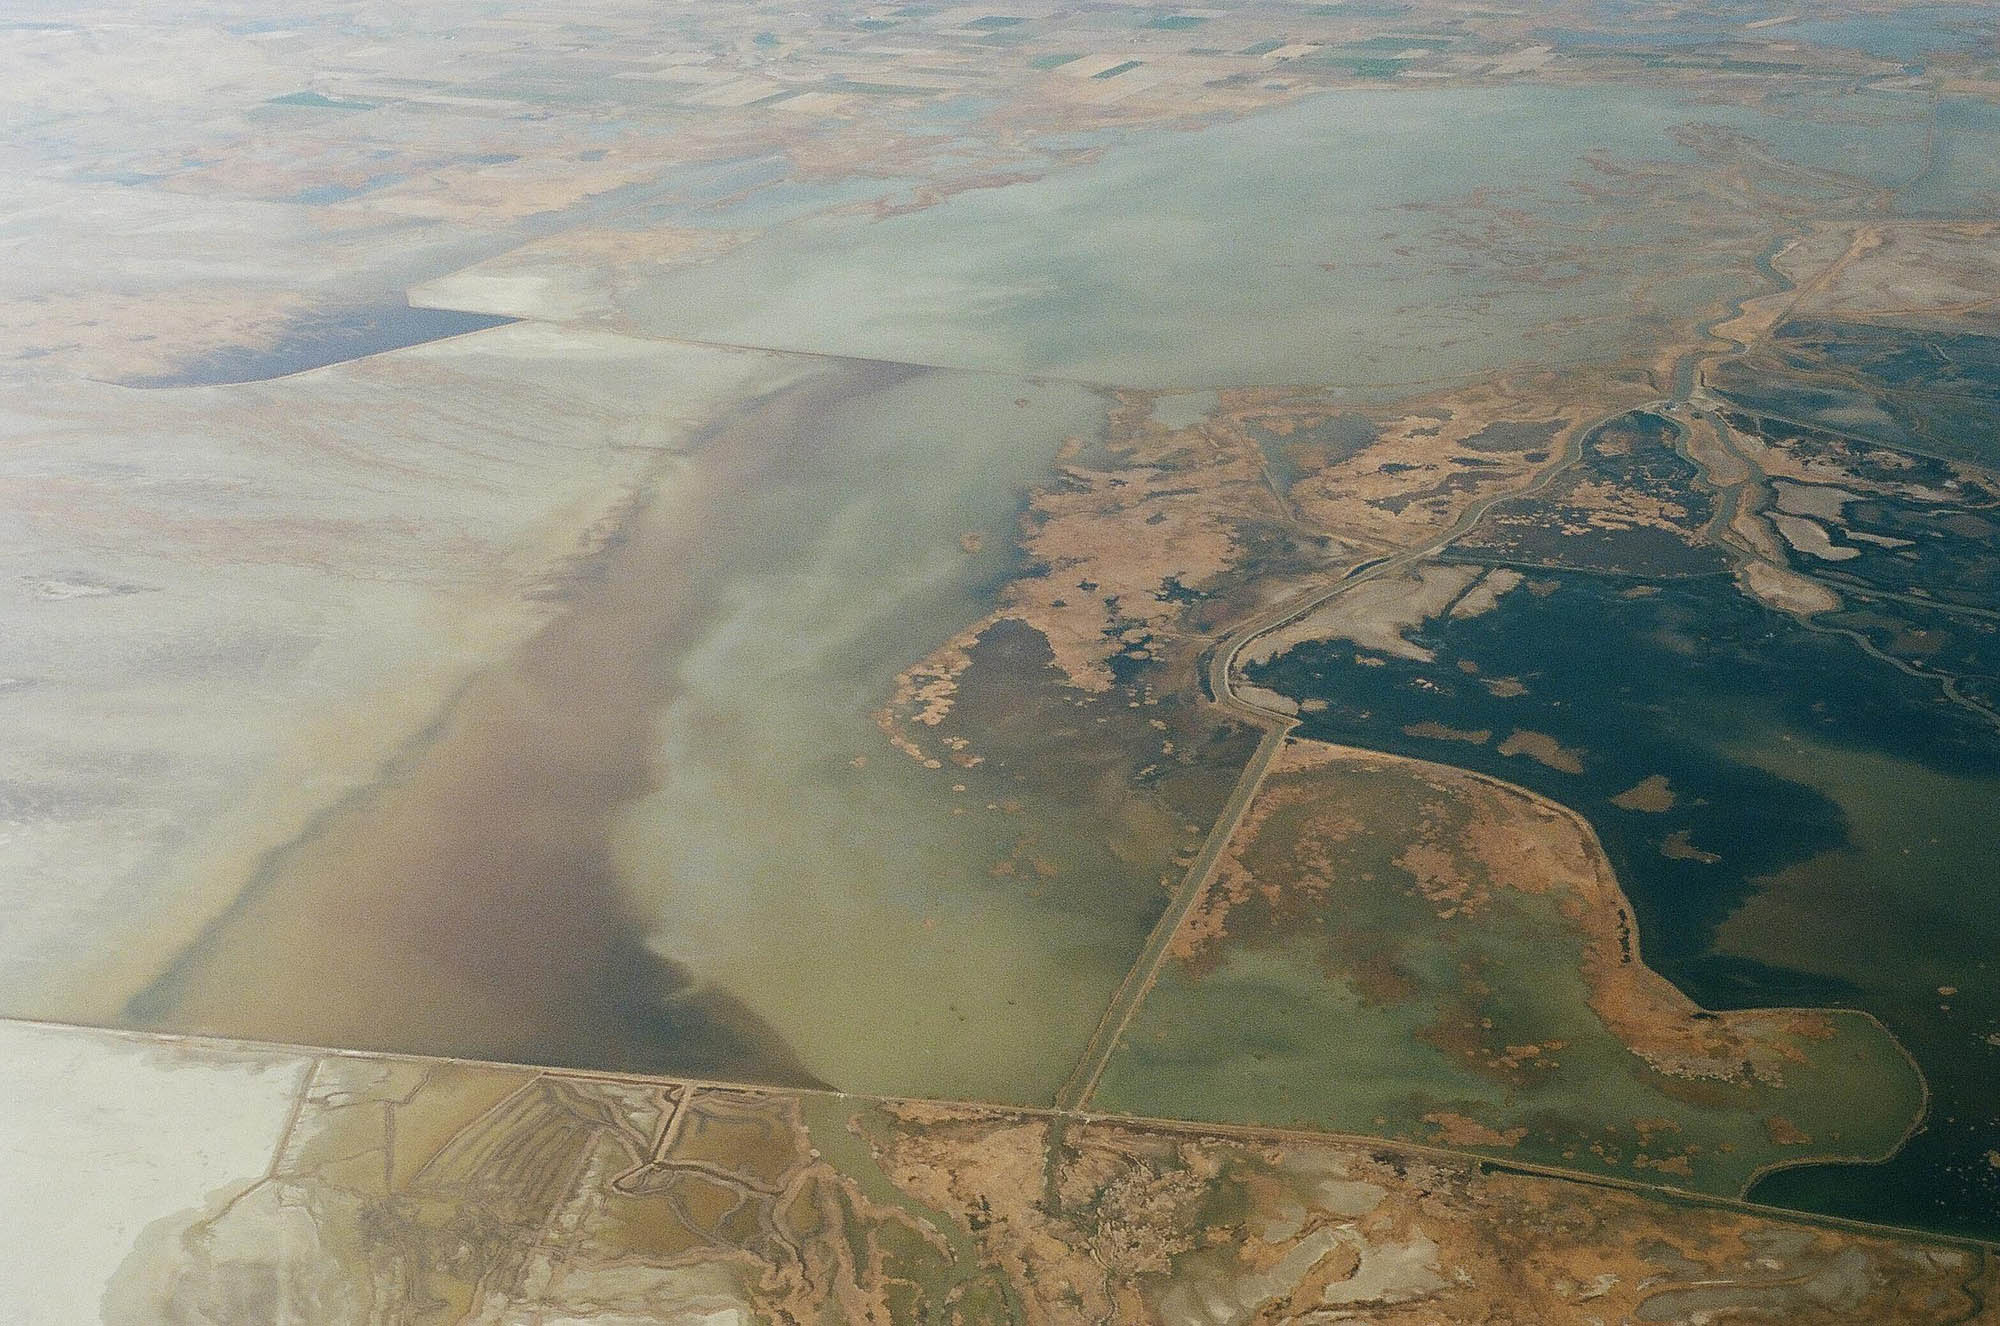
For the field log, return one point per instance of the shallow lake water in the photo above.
(668, 835)
(1827, 841)
(1291, 246)
(1363, 979)
(788, 852)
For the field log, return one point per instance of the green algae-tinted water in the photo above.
(1912, 895)
(1799, 766)
(1333, 241)
(1357, 1005)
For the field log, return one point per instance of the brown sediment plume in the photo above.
(466, 904)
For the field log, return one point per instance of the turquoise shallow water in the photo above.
(1356, 238)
